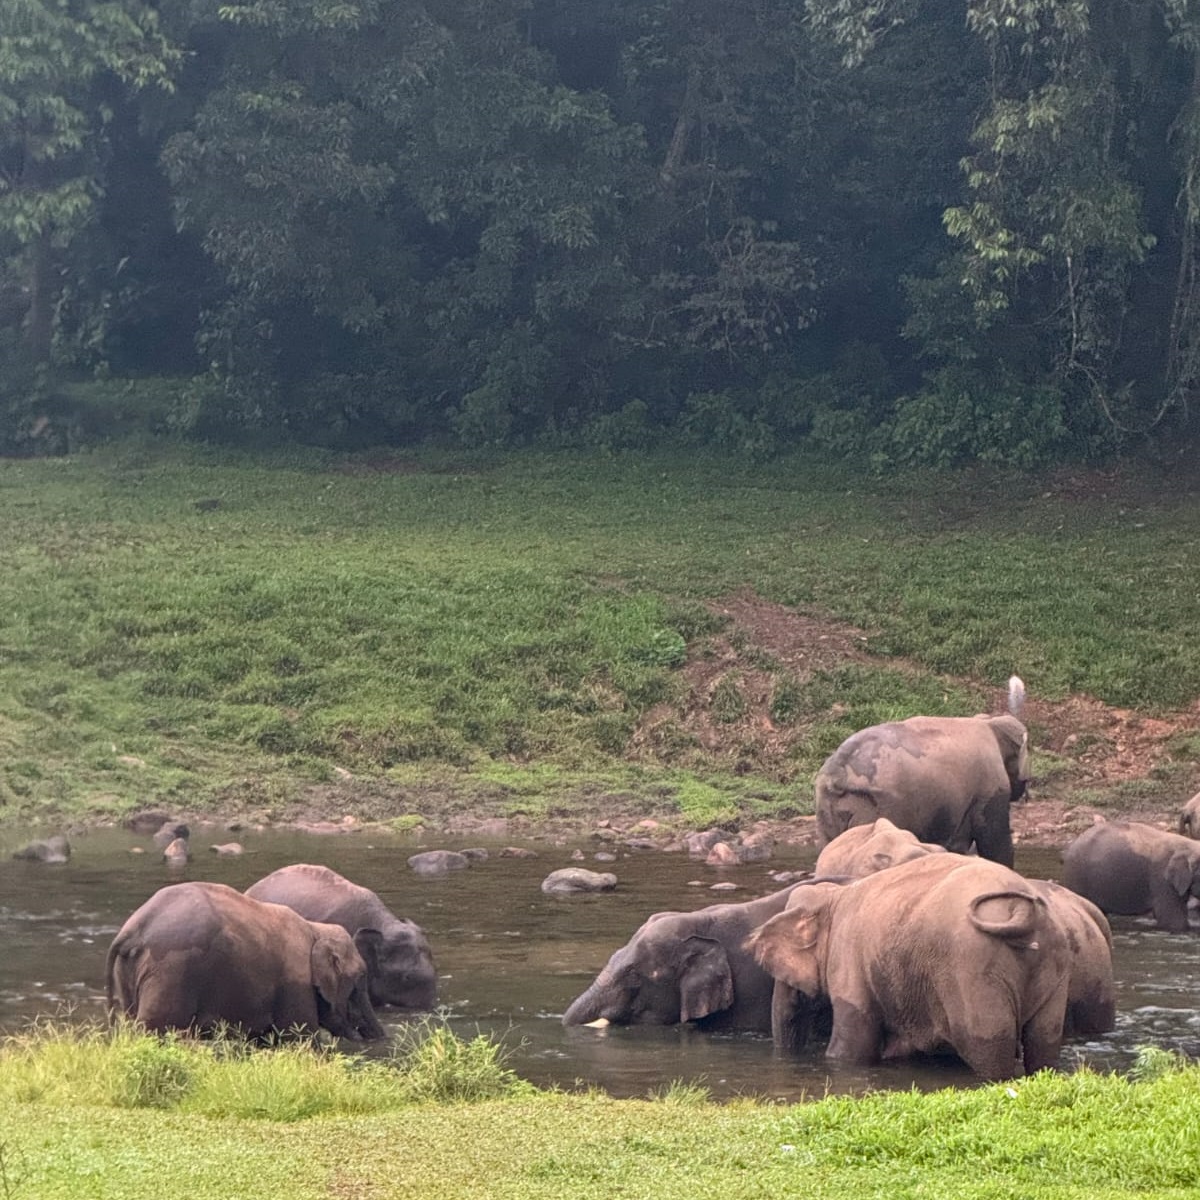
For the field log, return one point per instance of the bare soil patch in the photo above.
(1090, 752)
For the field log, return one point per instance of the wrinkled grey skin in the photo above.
(947, 952)
(1189, 818)
(949, 780)
(1129, 868)
(197, 955)
(865, 849)
(687, 967)
(1092, 995)
(400, 967)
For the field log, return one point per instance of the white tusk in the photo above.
(598, 1023)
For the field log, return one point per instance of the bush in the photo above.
(153, 1073)
(960, 417)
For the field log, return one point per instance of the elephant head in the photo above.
(339, 978)
(865, 849)
(1013, 739)
(1189, 818)
(400, 967)
(661, 977)
(1183, 870)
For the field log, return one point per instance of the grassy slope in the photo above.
(520, 611)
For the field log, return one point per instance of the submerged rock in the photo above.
(438, 862)
(54, 849)
(570, 880)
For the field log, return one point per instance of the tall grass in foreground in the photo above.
(1053, 1136)
(123, 1067)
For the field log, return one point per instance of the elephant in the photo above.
(198, 955)
(689, 966)
(1189, 818)
(865, 849)
(943, 952)
(400, 967)
(1129, 868)
(949, 780)
(1091, 996)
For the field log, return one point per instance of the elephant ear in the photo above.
(1013, 739)
(1180, 873)
(369, 942)
(331, 968)
(789, 946)
(706, 984)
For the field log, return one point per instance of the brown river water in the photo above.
(511, 958)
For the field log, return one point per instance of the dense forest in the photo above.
(898, 231)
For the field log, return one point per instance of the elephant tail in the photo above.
(1013, 916)
(1016, 695)
(118, 1001)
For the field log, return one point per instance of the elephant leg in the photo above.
(988, 1043)
(791, 1018)
(993, 839)
(1041, 1039)
(858, 1033)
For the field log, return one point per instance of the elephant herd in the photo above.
(913, 935)
(302, 949)
(903, 941)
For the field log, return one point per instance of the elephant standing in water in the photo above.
(949, 780)
(1130, 868)
(197, 955)
(1091, 997)
(400, 968)
(944, 952)
(687, 967)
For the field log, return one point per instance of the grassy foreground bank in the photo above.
(131, 1118)
(206, 629)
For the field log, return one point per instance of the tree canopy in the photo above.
(904, 231)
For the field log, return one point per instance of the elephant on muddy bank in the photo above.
(944, 952)
(198, 955)
(948, 780)
(1129, 868)
(400, 966)
(687, 967)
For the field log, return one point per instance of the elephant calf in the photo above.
(687, 967)
(197, 955)
(1130, 868)
(1189, 818)
(400, 968)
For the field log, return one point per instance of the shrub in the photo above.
(155, 1073)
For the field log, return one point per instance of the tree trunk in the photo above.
(39, 322)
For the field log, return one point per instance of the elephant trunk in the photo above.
(586, 1008)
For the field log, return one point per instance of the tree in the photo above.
(63, 68)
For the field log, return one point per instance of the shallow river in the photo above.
(511, 958)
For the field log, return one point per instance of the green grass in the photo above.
(522, 612)
(1053, 1135)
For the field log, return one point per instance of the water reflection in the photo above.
(511, 958)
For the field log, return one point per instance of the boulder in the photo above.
(572, 880)
(54, 849)
(438, 862)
